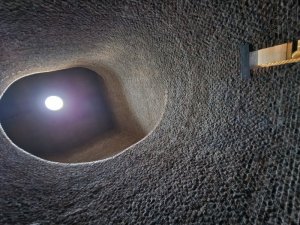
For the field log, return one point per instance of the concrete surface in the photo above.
(226, 150)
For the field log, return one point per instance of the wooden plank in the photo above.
(274, 56)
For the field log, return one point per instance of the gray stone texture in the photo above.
(225, 150)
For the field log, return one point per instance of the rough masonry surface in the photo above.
(226, 150)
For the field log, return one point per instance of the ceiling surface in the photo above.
(218, 149)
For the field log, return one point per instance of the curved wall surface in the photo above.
(220, 150)
(135, 108)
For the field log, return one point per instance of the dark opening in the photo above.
(85, 116)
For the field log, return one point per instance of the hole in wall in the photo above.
(66, 116)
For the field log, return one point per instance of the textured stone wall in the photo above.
(226, 151)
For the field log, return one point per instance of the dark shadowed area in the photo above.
(85, 116)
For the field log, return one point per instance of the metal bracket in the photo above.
(267, 57)
(245, 62)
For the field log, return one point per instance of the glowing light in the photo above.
(54, 103)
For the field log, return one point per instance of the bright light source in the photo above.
(54, 103)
